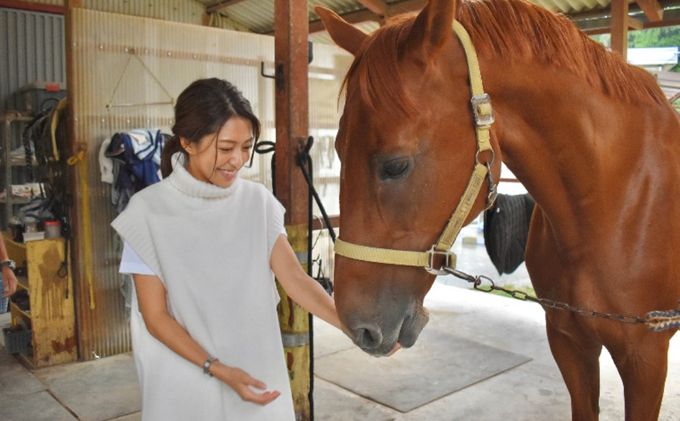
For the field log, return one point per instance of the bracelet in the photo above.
(206, 365)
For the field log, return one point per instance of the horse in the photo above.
(593, 140)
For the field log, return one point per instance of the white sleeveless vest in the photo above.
(210, 246)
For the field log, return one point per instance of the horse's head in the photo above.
(407, 145)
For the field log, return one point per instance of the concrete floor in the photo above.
(106, 389)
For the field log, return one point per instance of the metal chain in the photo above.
(655, 320)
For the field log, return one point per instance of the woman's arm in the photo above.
(151, 295)
(298, 285)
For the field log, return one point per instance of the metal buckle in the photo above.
(482, 119)
(432, 252)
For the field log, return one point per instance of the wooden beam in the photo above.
(292, 110)
(365, 15)
(652, 9)
(319, 224)
(379, 7)
(221, 5)
(32, 7)
(406, 7)
(634, 23)
(645, 25)
(358, 16)
(619, 27)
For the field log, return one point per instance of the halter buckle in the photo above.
(482, 110)
(448, 259)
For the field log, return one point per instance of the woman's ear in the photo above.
(187, 146)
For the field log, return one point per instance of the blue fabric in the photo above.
(136, 164)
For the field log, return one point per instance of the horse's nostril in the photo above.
(368, 337)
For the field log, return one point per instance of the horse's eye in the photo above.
(395, 168)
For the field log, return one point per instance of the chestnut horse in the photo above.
(593, 140)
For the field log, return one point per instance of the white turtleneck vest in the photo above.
(210, 246)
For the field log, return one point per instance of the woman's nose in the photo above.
(237, 160)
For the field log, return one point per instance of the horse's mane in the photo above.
(508, 28)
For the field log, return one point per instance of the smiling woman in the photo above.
(202, 246)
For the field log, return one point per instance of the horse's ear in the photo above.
(432, 26)
(344, 34)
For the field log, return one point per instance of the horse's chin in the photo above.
(412, 327)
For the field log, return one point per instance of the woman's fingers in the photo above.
(256, 383)
(259, 398)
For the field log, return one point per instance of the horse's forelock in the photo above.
(377, 71)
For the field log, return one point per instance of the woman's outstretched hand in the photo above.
(242, 384)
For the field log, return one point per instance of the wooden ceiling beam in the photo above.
(406, 6)
(365, 15)
(358, 16)
(652, 9)
(645, 25)
(221, 5)
(634, 23)
(379, 7)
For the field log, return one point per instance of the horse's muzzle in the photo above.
(377, 340)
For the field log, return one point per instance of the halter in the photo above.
(440, 251)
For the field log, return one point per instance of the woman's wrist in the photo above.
(217, 367)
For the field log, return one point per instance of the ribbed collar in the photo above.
(183, 181)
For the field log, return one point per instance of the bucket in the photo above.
(52, 229)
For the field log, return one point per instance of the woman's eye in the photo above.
(395, 168)
(227, 150)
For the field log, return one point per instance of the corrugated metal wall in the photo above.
(187, 11)
(31, 48)
(109, 50)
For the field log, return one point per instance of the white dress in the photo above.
(210, 247)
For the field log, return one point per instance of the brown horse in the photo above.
(592, 139)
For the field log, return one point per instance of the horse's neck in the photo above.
(577, 150)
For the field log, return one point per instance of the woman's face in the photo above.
(217, 158)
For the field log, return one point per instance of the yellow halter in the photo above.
(483, 113)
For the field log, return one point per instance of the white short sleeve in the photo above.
(131, 263)
(275, 221)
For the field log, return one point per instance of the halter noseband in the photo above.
(483, 114)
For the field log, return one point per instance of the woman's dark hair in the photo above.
(202, 109)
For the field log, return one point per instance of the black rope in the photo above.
(303, 158)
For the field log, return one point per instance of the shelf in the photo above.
(13, 244)
(22, 282)
(51, 316)
(25, 313)
(16, 200)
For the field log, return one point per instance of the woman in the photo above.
(202, 245)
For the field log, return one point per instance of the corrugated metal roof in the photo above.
(258, 15)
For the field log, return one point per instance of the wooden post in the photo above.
(619, 27)
(80, 243)
(292, 129)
